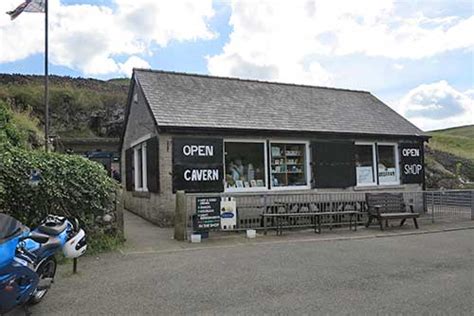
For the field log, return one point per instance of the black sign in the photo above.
(207, 213)
(197, 150)
(411, 161)
(193, 178)
(198, 164)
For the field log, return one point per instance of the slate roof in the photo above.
(189, 100)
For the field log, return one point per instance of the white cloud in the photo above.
(438, 105)
(398, 66)
(90, 37)
(126, 68)
(294, 37)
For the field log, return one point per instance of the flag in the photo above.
(28, 6)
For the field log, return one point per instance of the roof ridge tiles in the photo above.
(245, 80)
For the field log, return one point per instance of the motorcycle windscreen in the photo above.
(10, 231)
(9, 227)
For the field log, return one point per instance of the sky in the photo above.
(416, 56)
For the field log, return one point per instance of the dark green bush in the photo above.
(9, 133)
(69, 185)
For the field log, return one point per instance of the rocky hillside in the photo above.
(450, 158)
(78, 107)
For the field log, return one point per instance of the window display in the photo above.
(370, 171)
(387, 166)
(364, 160)
(245, 165)
(288, 165)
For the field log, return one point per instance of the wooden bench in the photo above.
(387, 206)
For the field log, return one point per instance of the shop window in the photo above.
(364, 160)
(139, 167)
(288, 165)
(245, 166)
(380, 168)
(387, 164)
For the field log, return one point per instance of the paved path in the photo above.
(142, 235)
(146, 238)
(428, 273)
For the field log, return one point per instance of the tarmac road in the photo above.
(414, 274)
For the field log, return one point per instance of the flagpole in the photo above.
(46, 81)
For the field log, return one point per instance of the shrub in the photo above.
(69, 185)
(27, 124)
(9, 133)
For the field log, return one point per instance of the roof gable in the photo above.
(188, 101)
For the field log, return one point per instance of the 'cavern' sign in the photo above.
(411, 161)
(198, 164)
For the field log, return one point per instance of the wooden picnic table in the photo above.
(316, 219)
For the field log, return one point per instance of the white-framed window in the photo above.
(245, 165)
(139, 167)
(377, 164)
(387, 165)
(289, 164)
(365, 158)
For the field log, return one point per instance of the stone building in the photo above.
(210, 134)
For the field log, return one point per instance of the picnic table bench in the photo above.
(387, 206)
(290, 213)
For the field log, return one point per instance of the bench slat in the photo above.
(399, 215)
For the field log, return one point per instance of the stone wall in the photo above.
(157, 208)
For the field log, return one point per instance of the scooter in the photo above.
(27, 262)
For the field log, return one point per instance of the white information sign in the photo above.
(387, 175)
(364, 175)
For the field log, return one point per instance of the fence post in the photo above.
(472, 205)
(74, 266)
(432, 207)
(180, 216)
(263, 218)
(119, 206)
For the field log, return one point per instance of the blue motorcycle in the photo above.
(27, 262)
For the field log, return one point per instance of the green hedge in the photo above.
(69, 185)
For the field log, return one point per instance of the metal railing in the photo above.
(433, 206)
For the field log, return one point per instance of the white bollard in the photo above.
(195, 238)
(251, 233)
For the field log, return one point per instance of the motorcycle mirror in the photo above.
(75, 224)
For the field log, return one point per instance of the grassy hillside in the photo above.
(450, 158)
(79, 107)
(457, 141)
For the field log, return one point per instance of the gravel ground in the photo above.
(415, 274)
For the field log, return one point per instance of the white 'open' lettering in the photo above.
(198, 150)
(411, 152)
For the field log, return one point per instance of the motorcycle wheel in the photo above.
(47, 269)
